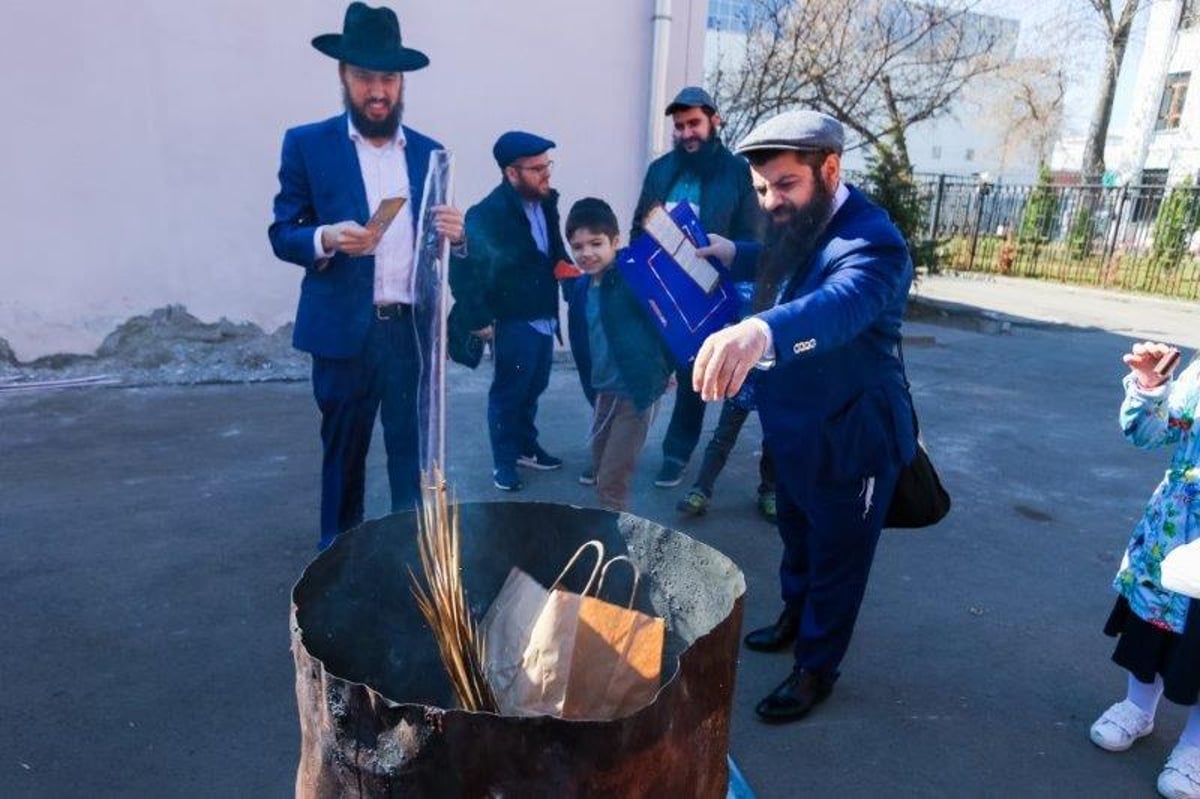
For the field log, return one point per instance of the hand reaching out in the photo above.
(1142, 359)
(725, 358)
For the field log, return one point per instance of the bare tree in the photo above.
(1116, 27)
(1025, 100)
(878, 66)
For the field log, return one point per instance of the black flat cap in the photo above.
(692, 97)
(518, 144)
(803, 130)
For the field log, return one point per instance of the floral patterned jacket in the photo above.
(1152, 419)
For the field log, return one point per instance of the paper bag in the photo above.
(506, 629)
(616, 663)
(529, 635)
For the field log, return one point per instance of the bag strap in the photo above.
(912, 404)
(593, 544)
(637, 576)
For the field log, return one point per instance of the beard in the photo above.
(789, 244)
(704, 159)
(530, 190)
(374, 129)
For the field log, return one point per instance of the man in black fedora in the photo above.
(355, 311)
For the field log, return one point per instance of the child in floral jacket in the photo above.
(1158, 631)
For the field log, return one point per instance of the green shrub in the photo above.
(1040, 210)
(1178, 216)
(890, 183)
(1083, 228)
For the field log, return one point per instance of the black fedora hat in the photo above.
(370, 39)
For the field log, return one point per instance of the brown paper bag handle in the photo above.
(593, 544)
(637, 576)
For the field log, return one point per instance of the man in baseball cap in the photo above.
(830, 293)
(701, 171)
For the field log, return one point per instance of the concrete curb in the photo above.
(970, 317)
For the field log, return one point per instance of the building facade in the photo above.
(1162, 143)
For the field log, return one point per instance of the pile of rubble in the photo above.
(167, 346)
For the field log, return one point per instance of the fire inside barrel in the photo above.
(376, 708)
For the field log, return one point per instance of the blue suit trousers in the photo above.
(523, 357)
(829, 538)
(350, 392)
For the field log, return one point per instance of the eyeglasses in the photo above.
(539, 169)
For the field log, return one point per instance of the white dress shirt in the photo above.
(385, 174)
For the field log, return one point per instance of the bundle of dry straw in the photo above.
(442, 599)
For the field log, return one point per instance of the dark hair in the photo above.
(813, 158)
(594, 215)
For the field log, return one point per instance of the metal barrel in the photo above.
(375, 706)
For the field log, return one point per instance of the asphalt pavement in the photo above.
(151, 536)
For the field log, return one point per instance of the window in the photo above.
(729, 15)
(1174, 95)
(969, 154)
(937, 152)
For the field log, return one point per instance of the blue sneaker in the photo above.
(505, 478)
(540, 459)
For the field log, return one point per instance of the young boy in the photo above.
(623, 364)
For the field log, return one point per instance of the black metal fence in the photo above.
(1139, 238)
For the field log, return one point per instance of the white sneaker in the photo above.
(1180, 778)
(1120, 726)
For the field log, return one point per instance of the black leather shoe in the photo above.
(777, 636)
(795, 697)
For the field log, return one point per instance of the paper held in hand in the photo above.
(385, 213)
(670, 236)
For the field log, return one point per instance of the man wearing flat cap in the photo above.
(831, 287)
(505, 289)
(701, 171)
(355, 310)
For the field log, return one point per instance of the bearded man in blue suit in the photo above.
(355, 312)
(831, 284)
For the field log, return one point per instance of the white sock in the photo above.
(1191, 730)
(1145, 694)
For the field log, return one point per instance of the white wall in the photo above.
(141, 138)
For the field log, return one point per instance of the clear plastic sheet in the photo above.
(431, 298)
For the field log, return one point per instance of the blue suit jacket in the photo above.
(835, 408)
(320, 183)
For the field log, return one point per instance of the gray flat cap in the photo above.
(692, 97)
(795, 130)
